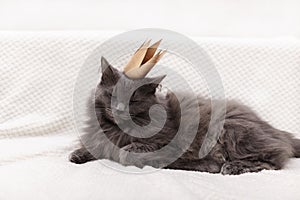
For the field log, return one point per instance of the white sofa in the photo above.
(38, 71)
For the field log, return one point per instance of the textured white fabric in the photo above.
(51, 177)
(38, 71)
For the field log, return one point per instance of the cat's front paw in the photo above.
(80, 156)
(127, 159)
(139, 148)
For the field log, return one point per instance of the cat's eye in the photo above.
(133, 102)
(113, 97)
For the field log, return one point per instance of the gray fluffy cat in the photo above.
(246, 144)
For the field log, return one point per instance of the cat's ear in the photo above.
(153, 84)
(157, 80)
(109, 73)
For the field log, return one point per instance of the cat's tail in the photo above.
(296, 146)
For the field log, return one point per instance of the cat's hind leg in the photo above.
(201, 165)
(252, 147)
(237, 167)
(81, 156)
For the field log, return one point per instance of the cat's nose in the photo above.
(120, 107)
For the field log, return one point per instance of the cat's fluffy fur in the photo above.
(247, 143)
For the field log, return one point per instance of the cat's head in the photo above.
(118, 94)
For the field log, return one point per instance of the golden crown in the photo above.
(143, 60)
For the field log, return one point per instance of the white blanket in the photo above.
(38, 71)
